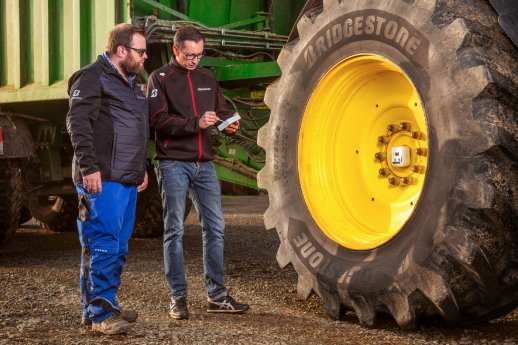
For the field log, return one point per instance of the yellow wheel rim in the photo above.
(360, 110)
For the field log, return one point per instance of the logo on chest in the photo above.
(204, 89)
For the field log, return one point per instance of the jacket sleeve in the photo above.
(221, 105)
(160, 119)
(84, 103)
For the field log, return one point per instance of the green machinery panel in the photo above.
(42, 42)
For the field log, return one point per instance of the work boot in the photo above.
(112, 325)
(178, 308)
(127, 314)
(226, 304)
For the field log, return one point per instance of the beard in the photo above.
(130, 67)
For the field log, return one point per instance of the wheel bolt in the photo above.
(394, 181)
(421, 151)
(405, 126)
(384, 172)
(383, 139)
(391, 128)
(417, 135)
(407, 180)
(418, 169)
(380, 156)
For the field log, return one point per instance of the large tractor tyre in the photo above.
(11, 198)
(55, 213)
(392, 160)
(149, 217)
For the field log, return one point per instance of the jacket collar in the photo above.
(104, 59)
(174, 64)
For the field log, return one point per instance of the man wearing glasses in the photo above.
(185, 101)
(108, 127)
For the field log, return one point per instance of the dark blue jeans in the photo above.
(199, 180)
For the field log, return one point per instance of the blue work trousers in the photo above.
(105, 224)
(199, 180)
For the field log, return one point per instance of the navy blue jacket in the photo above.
(108, 125)
(177, 98)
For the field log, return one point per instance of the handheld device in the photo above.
(228, 122)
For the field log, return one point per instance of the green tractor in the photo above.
(384, 132)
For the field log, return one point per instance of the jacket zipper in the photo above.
(200, 147)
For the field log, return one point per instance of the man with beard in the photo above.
(108, 127)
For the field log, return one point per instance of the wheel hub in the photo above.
(362, 152)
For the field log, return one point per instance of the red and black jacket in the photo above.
(177, 99)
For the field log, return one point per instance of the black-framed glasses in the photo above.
(140, 52)
(192, 56)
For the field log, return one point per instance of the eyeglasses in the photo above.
(192, 56)
(140, 52)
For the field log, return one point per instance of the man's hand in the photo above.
(92, 183)
(208, 119)
(143, 186)
(232, 128)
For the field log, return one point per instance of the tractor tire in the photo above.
(363, 81)
(11, 198)
(55, 213)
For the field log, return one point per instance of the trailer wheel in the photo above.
(55, 213)
(11, 198)
(365, 88)
(25, 215)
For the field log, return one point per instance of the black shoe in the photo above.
(178, 308)
(226, 304)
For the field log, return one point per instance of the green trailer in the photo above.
(384, 132)
(44, 42)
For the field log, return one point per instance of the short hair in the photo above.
(121, 35)
(187, 34)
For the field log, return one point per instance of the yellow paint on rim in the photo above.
(349, 109)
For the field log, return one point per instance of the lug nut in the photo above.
(394, 181)
(405, 126)
(384, 172)
(391, 128)
(407, 180)
(384, 139)
(417, 135)
(380, 156)
(418, 169)
(421, 151)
